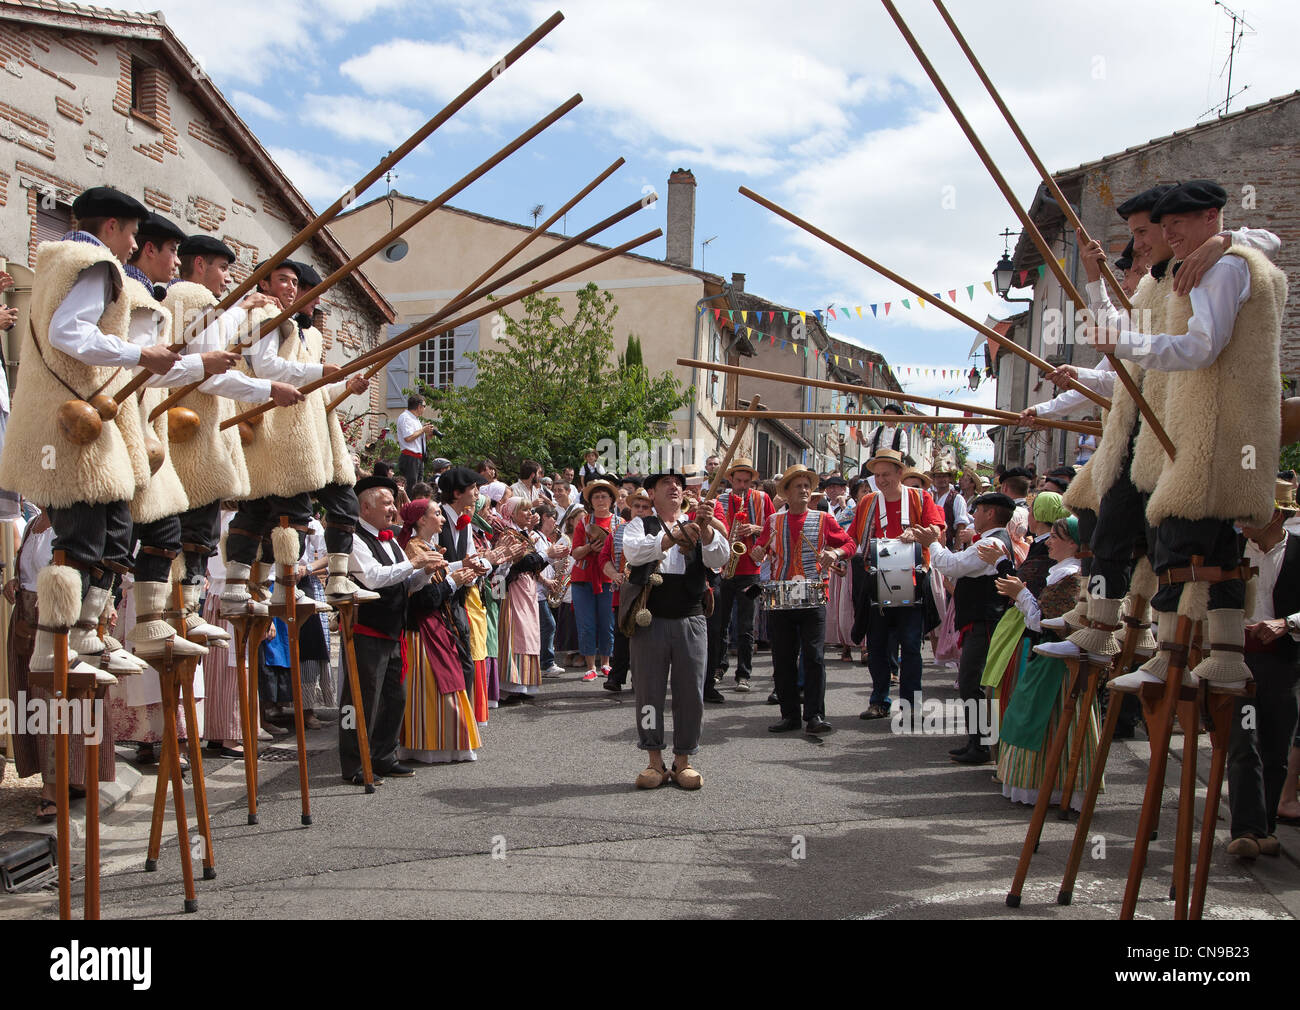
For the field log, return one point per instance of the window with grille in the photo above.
(436, 366)
(52, 221)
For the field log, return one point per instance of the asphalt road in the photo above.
(862, 823)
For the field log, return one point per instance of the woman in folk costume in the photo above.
(566, 625)
(839, 600)
(1011, 642)
(1032, 717)
(593, 594)
(439, 723)
(486, 691)
(519, 628)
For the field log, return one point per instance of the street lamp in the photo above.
(1002, 274)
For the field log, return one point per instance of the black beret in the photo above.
(654, 478)
(1189, 197)
(835, 480)
(995, 498)
(157, 229)
(293, 265)
(892, 408)
(206, 245)
(454, 481)
(105, 201)
(1144, 201)
(629, 478)
(1125, 261)
(366, 483)
(307, 277)
(1015, 472)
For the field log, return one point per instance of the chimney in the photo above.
(738, 283)
(681, 218)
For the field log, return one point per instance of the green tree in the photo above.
(550, 388)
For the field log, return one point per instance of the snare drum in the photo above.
(897, 569)
(794, 594)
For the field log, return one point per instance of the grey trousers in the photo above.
(379, 668)
(676, 648)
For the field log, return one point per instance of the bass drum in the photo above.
(896, 570)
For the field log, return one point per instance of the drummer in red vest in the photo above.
(891, 512)
(803, 546)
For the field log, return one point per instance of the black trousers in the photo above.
(620, 661)
(731, 595)
(342, 513)
(200, 531)
(1118, 539)
(412, 468)
(1257, 756)
(383, 699)
(1176, 540)
(91, 534)
(253, 522)
(793, 632)
(160, 535)
(970, 670)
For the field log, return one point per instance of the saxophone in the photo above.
(556, 596)
(738, 551)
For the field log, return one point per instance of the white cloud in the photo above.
(320, 179)
(365, 119)
(245, 103)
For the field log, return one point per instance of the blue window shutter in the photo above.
(466, 341)
(398, 374)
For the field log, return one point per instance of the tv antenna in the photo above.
(536, 212)
(704, 247)
(1240, 29)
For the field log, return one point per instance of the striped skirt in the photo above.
(221, 720)
(480, 692)
(435, 727)
(1020, 770)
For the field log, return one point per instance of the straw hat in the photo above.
(599, 485)
(741, 463)
(887, 456)
(924, 478)
(1284, 497)
(798, 470)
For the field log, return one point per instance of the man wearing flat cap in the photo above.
(977, 606)
(1211, 358)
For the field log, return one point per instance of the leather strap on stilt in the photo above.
(347, 527)
(201, 549)
(1131, 622)
(118, 567)
(1197, 572)
(158, 552)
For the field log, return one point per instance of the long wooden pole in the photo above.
(845, 387)
(1031, 229)
(983, 422)
(920, 292)
(725, 462)
(1048, 180)
(357, 188)
(376, 359)
(412, 337)
(307, 297)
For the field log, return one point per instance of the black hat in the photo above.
(1144, 201)
(105, 201)
(994, 498)
(157, 229)
(835, 480)
(308, 278)
(629, 478)
(1191, 196)
(454, 481)
(654, 478)
(366, 483)
(1060, 480)
(892, 408)
(1015, 472)
(206, 245)
(1125, 261)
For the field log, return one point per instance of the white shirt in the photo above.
(142, 331)
(963, 564)
(1270, 567)
(410, 432)
(375, 575)
(641, 548)
(233, 384)
(960, 514)
(314, 543)
(74, 327)
(1027, 603)
(887, 437)
(521, 490)
(36, 554)
(263, 358)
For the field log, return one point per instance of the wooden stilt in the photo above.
(1080, 740)
(185, 692)
(249, 629)
(1066, 892)
(1190, 722)
(347, 617)
(1218, 709)
(1160, 724)
(62, 817)
(91, 904)
(288, 612)
(167, 675)
(1077, 669)
(161, 780)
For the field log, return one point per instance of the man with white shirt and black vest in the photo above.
(379, 564)
(1264, 725)
(955, 514)
(978, 605)
(890, 436)
(678, 552)
(412, 430)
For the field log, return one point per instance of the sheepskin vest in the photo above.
(288, 453)
(1223, 418)
(335, 449)
(210, 465)
(159, 494)
(39, 463)
(1111, 459)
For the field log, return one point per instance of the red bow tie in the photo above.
(463, 521)
(385, 534)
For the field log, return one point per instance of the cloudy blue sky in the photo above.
(818, 105)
